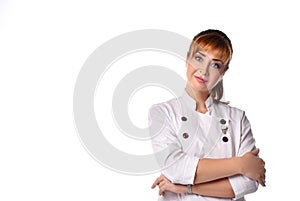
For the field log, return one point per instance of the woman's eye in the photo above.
(198, 58)
(215, 65)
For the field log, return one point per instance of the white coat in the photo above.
(180, 141)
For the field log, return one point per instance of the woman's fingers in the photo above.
(161, 191)
(262, 181)
(163, 183)
(162, 188)
(254, 166)
(255, 152)
(157, 181)
(262, 177)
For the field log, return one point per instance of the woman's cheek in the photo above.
(190, 72)
(213, 83)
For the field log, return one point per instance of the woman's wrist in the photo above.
(189, 189)
(182, 189)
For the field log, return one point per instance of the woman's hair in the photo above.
(217, 42)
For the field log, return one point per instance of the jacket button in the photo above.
(224, 129)
(185, 135)
(183, 118)
(223, 121)
(225, 139)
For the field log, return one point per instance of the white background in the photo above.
(43, 45)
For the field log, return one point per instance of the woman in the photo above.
(206, 147)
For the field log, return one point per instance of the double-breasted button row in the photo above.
(224, 129)
(184, 135)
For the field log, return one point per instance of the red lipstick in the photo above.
(199, 79)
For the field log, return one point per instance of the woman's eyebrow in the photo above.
(217, 60)
(204, 55)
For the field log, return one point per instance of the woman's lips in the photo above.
(199, 79)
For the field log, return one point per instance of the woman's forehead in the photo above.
(213, 53)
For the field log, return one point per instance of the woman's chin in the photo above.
(202, 89)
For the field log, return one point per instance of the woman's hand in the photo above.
(165, 184)
(253, 167)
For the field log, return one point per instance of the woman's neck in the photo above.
(199, 97)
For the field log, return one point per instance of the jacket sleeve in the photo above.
(243, 185)
(175, 164)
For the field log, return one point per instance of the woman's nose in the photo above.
(204, 69)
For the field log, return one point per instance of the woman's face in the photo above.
(204, 70)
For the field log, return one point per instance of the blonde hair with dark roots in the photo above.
(220, 44)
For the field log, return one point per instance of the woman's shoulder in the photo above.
(232, 111)
(169, 106)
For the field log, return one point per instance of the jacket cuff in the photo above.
(184, 172)
(242, 185)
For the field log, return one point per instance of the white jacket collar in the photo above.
(191, 102)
